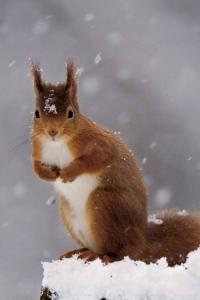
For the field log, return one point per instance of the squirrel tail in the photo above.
(173, 235)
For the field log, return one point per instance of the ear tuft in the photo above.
(71, 82)
(37, 77)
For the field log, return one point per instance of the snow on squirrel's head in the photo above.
(56, 107)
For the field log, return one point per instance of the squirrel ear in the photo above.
(71, 82)
(37, 77)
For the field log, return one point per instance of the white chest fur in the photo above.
(76, 193)
(56, 153)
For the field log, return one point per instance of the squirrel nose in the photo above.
(53, 132)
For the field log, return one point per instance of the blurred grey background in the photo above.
(140, 76)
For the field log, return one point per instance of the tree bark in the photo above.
(47, 295)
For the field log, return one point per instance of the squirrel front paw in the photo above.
(45, 172)
(67, 175)
(49, 173)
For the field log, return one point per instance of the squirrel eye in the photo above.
(37, 114)
(70, 113)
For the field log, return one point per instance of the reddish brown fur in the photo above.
(174, 239)
(116, 210)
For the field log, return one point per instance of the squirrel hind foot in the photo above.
(74, 252)
(89, 256)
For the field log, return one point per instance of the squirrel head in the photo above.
(56, 107)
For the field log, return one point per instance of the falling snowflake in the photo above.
(144, 160)
(79, 71)
(91, 85)
(163, 196)
(114, 38)
(12, 63)
(152, 145)
(41, 26)
(97, 58)
(89, 17)
(51, 200)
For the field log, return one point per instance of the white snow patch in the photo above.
(182, 213)
(163, 196)
(124, 280)
(116, 132)
(50, 107)
(154, 219)
(97, 58)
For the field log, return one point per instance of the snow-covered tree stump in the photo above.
(72, 279)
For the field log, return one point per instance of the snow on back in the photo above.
(50, 107)
(123, 280)
(182, 212)
(154, 219)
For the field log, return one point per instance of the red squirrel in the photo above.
(103, 200)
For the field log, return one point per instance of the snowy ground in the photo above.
(72, 279)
